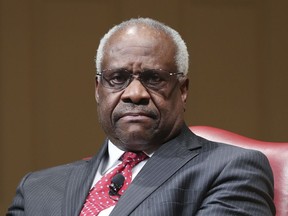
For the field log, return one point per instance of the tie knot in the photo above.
(133, 158)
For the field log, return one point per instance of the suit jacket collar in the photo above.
(169, 158)
(79, 183)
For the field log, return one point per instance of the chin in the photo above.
(136, 137)
(135, 141)
(137, 131)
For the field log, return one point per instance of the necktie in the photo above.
(98, 198)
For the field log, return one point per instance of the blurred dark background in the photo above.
(238, 73)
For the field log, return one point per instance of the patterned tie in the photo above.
(98, 198)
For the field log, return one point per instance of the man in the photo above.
(141, 91)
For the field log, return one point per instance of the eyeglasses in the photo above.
(119, 79)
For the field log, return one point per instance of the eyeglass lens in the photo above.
(119, 79)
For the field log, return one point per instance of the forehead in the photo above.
(139, 44)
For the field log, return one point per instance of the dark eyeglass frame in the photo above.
(154, 79)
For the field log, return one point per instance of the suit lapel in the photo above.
(159, 168)
(79, 184)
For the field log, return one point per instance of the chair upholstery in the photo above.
(276, 152)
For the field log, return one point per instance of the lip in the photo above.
(134, 113)
(135, 116)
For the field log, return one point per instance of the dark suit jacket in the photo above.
(186, 176)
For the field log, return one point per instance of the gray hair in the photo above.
(181, 56)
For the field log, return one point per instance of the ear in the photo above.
(96, 89)
(184, 86)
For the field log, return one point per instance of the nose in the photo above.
(135, 93)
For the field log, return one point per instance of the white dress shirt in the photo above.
(113, 160)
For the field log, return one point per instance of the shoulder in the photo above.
(64, 168)
(55, 174)
(62, 173)
(233, 173)
(210, 151)
(222, 157)
(229, 152)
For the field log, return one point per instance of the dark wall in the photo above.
(238, 73)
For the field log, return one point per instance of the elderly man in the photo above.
(151, 163)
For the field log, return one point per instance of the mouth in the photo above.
(135, 115)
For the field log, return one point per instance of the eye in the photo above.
(155, 79)
(118, 77)
(151, 77)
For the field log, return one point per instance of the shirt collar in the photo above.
(115, 155)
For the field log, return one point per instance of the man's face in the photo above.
(138, 118)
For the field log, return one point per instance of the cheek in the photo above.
(170, 107)
(106, 105)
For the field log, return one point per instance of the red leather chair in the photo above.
(276, 152)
